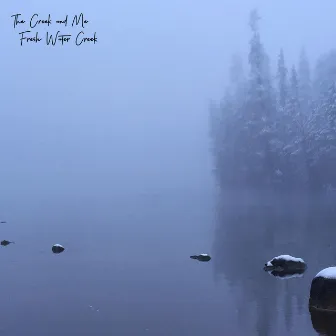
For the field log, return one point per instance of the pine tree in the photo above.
(330, 111)
(260, 138)
(305, 89)
(282, 82)
(289, 125)
(259, 110)
(326, 139)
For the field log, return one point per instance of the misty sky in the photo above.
(130, 113)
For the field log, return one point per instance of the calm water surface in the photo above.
(126, 270)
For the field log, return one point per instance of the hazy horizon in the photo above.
(132, 110)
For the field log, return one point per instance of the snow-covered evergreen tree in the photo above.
(260, 138)
(259, 110)
(305, 89)
(282, 82)
(225, 121)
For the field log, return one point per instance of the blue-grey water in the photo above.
(126, 269)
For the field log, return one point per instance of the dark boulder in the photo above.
(323, 290)
(324, 322)
(6, 242)
(57, 248)
(201, 257)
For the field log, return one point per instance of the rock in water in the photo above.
(287, 274)
(324, 322)
(6, 242)
(323, 290)
(285, 263)
(201, 257)
(57, 248)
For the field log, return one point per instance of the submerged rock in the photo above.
(287, 274)
(57, 248)
(323, 290)
(285, 263)
(201, 257)
(6, 242)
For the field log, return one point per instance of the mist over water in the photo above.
(107, 149)
(253, 227)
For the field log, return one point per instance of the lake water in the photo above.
(126, 269)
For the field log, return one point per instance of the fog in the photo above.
(131, 111)
(115, 136)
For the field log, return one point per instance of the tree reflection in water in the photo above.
(252, 228)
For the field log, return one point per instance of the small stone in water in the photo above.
(57, 248)
(6, 242)
(201, 257)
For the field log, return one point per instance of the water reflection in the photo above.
(286, 275)
(250, 228)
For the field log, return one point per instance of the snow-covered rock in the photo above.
(323, 289)
(328, 273)
(57, 248)
(285, 262)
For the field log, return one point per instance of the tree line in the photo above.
(276, 130)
